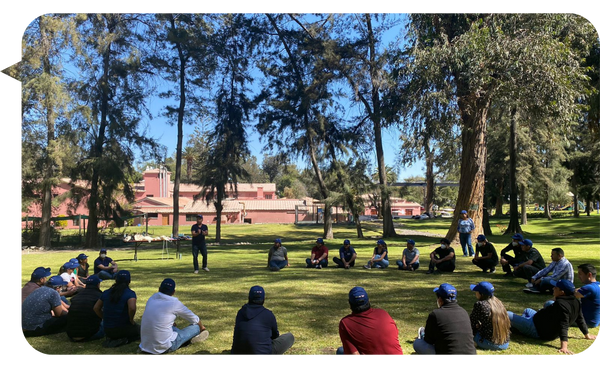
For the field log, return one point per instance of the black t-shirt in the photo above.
(199, 239)
(486, 249)
(82, 321)
(449, 329)
(442, 253)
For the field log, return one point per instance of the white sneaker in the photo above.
(368, 267)
(421, 333)
(205, 269)
(195, 271)
(200, 337)
(529, 285)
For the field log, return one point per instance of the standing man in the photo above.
(443, 258)
(367, 330)
(199, 233)
(507, 260)
(589, 294)
(410, 257)
(104, 266)
(278, 257)
(158, 332)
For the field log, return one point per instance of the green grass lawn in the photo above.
(309, 303)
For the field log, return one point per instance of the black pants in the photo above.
(446, 266)
(340, 264)
(52, 326)
(485, 264)
(510, 260)
(131, 332)
(526, 272)
(202, 250)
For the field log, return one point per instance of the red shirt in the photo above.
(370, 332)
(318, 252)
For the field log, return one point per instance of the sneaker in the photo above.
(531, 291)
(492, 270)
(465, 255)
(195, 271)
(429, 272)
(274, 268)
(318, 267)
(203, 335)
(113, 343)
(484, 270)
(529, 285)
(205, 269)
(421, 333)
(367, 267)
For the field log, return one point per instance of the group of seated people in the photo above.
(93, 314)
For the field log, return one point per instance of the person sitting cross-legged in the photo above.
(559, 268)
(347, 256)
(489, 319)
(443, 258)
(83, 324)
(410, 257)
(380, 256)
(278, 257)
(318, 255)
(42, 312)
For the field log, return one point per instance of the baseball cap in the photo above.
(55, 281)
(75, 262)
(93, 280)
(410, 241)
(346, 242)
(564, 285)
(446, 291)
(82, 256)
(256, 294)
(69, 265)
(167, 286)
(278, 240)
(40, 272)
(463, 211)
(517, 236)
(319, 240)
(526, 242)
(358, 296)
(484, 288)
(123, 275)
(199, 216)
(481, 237)
(445, 241)
(102, 251)
(380, 241)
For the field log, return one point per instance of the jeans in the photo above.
(423, 347)
(105, 275)
(485, 264)
(379, 262)
(524, 324)
(488, 345)
(282, 343)
(544, 285)
(446, 266)
(202, 250)
(526, 272)
(183, 336)
(415, 266)
(309, 264)
(465, 242)
(278, 264)
(340, 264)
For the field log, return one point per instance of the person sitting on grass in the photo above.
(83, 270)
(83, 324)
(347, 256)
(158, 332)
(255, 330)
(507, 260)
(410, 257)
(367, 330)
(555, 318)
(486, 257)
(530, 261)
(318, 255)
(117, 307)
(69, 276)
(42, 312)
(442, 258)
(104, 266)
(380, 256)
(489, 319)
(589, 294)
(39, 276)
(278, 257)
(560, 268)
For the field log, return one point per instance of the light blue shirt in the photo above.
(560, 270)
(466, 226)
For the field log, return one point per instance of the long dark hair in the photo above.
(117, 290)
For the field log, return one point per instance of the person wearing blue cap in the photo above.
(410, 257)
(104, 266)
(447, 330)
(42, 312)
(486, 257)
(83, 324)
(559, 268)
(347, 256)
(465, 227)
(69, 276)
(589, 294)
(158, 331)
(39, 276)
(442, 259)
(83, 270)
(117, 307)
(379, 259)
(489, 319)
(507, 260)
(530, 261)
(367, 330)
(555, 318)
(255, 330)
(318, 255)
(278, 256)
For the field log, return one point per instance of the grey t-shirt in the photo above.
(410, 255)
(37, 307)
(278, 254)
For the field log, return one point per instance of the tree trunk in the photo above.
(473, 161)
(575, 202)
(327, 222)
(588, 203)
(513, 226)
(219, 208)
(327, 225)
(45, 228)
(178, 154)
(359, 232)
(523, 206)
(500, 199)
(429, 178)
(487, 230)
(546, 204)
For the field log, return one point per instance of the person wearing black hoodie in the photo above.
(555, 318)
(256, 330)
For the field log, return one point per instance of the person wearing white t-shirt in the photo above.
(158, 331)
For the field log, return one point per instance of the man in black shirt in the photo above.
(442, 258)
(530, 261)
(448, 328)
(486, 257)
(506, 260)
(199, 232)
(83, 324)
(554, 319)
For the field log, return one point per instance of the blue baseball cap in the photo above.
(564, 285)
(526, 242)
(102, 251)
(380, 241)
(278, 240)
(319, 240)
(346, 242)
(481, 237)
(358, 296)
(484, 288)
(446, 291)
(256, 294)
(56, 281)
(199, 216)
(82, 256)
(123, 275)
(463, 211)
(69, 265)
(40, 272)
(75, 262)
(517, 236)
(167, 286)
(410, 241)
(93, 280)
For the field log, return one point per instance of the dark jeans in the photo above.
(446, 266)
(202, 249)
(340, 264)
(323, 263)
(511, 261)
(415, 266)
(282, 343)
(526, 272)
(131, 332)
(52, 326)
(485, 264)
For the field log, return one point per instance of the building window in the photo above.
(189, 218)
(75, 222)
(268, 196)
(153, 215)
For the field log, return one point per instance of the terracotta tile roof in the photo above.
(202, 207)
(242, 187)
(271, 204)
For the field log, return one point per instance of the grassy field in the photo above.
(309, 303)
